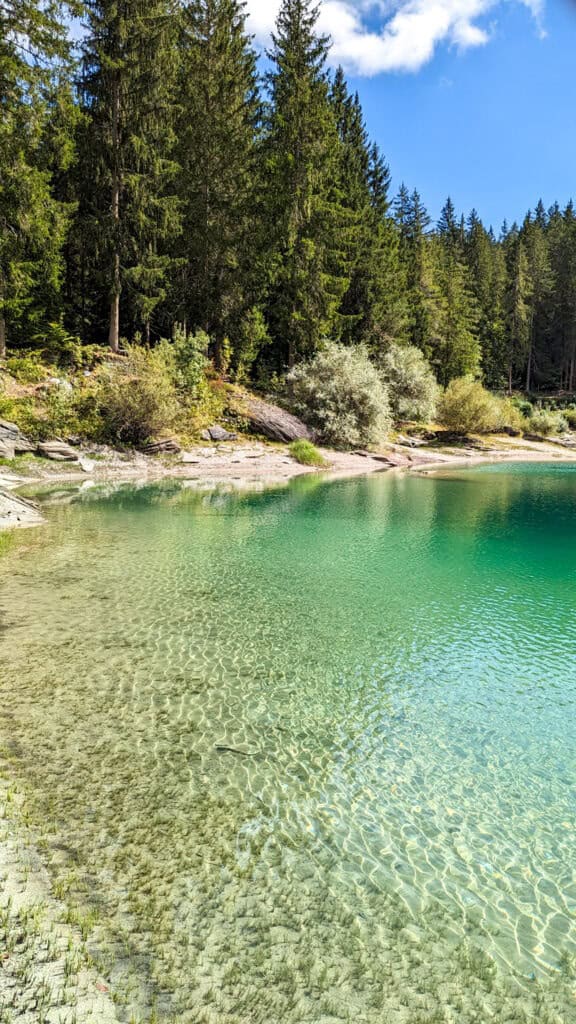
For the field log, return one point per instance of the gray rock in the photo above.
(17, 511)
(7, 448)
(8, 430)
(22, 445)
(274, 422)
(217, 433)
(167, 445)
(58, 451)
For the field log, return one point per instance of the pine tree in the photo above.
(487, 276)
(416, 260)
(540, 274)
(127, 87)
(219, 114)
(457, 351)
(304, 216)
(517, 304)
(369, 310)
(33, 53)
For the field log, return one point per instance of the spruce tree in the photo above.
(487, 275)
(128, 96)
(518, 294)
(540, 273)
(417, 263)
(457, 351)
(33, 54)
(218, 181)
(305, 218)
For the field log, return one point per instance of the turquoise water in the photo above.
(307, 754)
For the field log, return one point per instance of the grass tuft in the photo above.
(306, 453)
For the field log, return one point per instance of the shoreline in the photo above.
(252, 463)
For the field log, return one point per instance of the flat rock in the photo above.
(217, 433)
(58, 451)
(8, 430)
(22, 445)
(17, 511)
(167, 446)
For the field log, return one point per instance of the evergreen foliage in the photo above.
(155, 180)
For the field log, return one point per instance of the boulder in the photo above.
(8, 431)
(22, 445)
(17, 444)
(7, 448)
(217, 433)
(59, 451)
(274, 422)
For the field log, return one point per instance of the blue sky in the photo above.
(470, 98)
(493, 126)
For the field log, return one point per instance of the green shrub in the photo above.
(525, 408)
(509, 417)
(546, 422)
(306, 453)
(186, 357)
(467, 407)
(341, 395)
(136, 397)
(27, 369)
(411, 383)
(58, 346)
(570, 416)
(250, 338)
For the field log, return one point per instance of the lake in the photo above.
(307, 754)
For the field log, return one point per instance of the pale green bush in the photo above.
(546, 422)
(467, 407)
(509, 417)
(570, 415)
(412, 386)
(341, 395)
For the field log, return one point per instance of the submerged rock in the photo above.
(17, 511)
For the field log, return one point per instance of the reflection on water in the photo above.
(308, 753)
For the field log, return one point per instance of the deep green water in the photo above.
(392, 660)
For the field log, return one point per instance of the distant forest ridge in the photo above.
(157, 178)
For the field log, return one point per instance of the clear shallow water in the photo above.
(308, 754)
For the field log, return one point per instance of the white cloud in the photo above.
(371, 36)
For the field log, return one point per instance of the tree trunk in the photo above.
(529, 370)
(2, 336)
(510, 378)
(114, 332)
